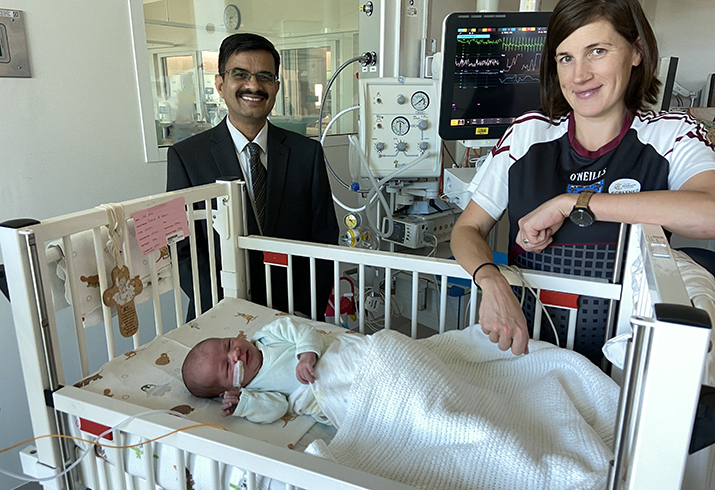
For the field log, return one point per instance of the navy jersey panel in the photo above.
(553, 168)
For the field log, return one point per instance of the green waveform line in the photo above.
(511, 43)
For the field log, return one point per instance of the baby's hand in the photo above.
(230, 402)
(304, 369)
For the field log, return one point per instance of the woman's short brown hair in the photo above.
(628, 20)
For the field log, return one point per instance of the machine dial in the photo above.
(400, 126)
(420, 101)
(352, 220)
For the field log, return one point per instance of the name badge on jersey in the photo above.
(624, 186)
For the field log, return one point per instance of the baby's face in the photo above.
(220, 357)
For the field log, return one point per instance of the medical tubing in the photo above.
(397, 172)
(327, 128)
(360, 58)
(388, 212)
(89, 448)
(333, 120)
(322, 142)
(376, 186)
(516, 270)
(327, 89)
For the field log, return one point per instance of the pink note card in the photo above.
(161, 225)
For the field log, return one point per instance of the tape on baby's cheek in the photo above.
(238, 374)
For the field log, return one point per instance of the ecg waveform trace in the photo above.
(470, 62)
(498, 60)
(527, 43)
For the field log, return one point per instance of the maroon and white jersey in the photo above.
(537, 160)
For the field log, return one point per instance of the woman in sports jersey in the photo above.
(592, 134)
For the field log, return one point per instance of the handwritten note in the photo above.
(161, 225)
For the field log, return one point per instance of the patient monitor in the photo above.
(490, 72)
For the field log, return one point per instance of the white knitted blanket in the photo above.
(454, 412)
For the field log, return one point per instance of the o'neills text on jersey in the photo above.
(587, 176)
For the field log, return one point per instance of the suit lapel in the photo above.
(278, 155)
(224, 151)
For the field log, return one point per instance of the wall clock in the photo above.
(232, 17)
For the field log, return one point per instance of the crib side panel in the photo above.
(65, 324)
(27, 326)
(372, 270)
(253, 456)
(663, 371)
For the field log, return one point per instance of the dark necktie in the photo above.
(258, 178)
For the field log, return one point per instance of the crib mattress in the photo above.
(151, 375)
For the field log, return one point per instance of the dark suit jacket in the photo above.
(299, 206)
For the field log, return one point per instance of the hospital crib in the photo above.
(660, 387)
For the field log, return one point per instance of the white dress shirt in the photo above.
(240, 142)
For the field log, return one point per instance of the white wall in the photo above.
(686, 29)
(70, 138)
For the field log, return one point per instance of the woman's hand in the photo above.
(537, 228)
(304, 370)
(230, 402)
(501, 317)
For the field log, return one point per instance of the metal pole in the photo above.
(46, 334)
(636, 360)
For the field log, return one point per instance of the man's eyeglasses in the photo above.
(241, 75)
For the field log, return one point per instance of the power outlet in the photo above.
(371, 303)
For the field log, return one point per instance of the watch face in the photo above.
(582, 217)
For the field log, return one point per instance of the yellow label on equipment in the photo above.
(481, 131)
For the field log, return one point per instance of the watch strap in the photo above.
(583, 199)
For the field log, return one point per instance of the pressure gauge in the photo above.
(400, 126)
(420, 101)
(352, 220)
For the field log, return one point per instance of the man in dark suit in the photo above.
(297, 196)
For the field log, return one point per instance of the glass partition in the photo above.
(183, 38)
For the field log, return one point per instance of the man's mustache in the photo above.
(260, 93)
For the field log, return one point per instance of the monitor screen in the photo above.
(490, 72)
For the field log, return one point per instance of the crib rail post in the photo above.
(229, 225)
(668, 354)
(661, 386)
(29, 309)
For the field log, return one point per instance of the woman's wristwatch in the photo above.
(581, 214)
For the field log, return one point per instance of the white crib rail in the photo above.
(281, 464)
(387, 262)
(34, 314)
(664, 365)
